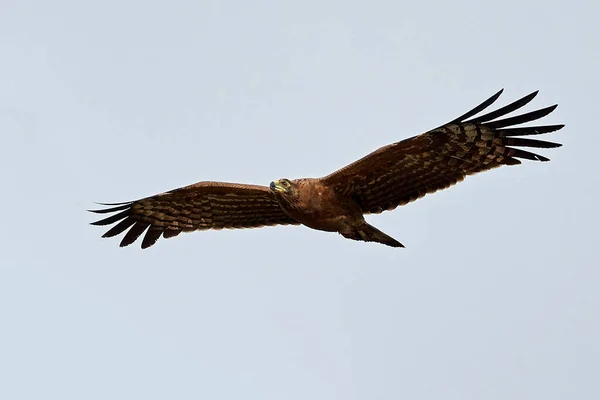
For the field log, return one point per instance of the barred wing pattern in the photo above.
(405, 171)
(204, 205)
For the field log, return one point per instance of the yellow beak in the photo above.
(276, 187)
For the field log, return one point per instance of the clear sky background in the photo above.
(495, 297)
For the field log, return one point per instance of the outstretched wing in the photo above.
(204, 205)
(402, 172)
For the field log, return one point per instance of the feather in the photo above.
(151, 236)
(477, 109)
(134, 233)
(504, 110)
(521, 119)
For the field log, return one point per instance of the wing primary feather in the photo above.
(121, 206)
(529, 130)
(151, 236)
(504, 110)
(112, 219)
(531, 143)
(477, 109)
(134, 233)
(521, 119)
(119, 228)
(525, 154)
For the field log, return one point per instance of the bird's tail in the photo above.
(368, 233)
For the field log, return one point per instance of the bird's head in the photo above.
(284, 188)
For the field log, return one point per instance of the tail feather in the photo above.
(368, 233)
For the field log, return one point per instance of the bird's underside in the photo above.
(389, 177)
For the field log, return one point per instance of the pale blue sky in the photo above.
(495, 297)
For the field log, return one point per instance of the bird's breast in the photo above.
(322, 209)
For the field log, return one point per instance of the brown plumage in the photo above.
(391, 176)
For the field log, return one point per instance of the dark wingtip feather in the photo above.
(112, 219)
(521, 119)
(152, 235)
(530, 130)
(477, 109)
(134, 232)
(119, 228)
(531, 143)
(119, 207)
(526, 155)
(515, 105)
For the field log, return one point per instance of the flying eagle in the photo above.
(389, 177)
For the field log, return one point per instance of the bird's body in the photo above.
(319, 206)
(316, 205)
(389, 177)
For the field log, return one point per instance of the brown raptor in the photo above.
(391, 176)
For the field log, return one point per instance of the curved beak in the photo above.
(276, 187)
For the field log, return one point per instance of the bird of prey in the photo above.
(391, 176)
